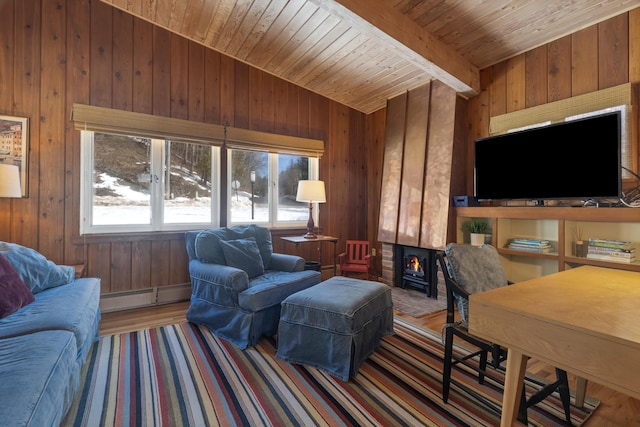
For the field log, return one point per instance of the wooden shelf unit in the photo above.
(557, 224)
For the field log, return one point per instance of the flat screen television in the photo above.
(577, 159)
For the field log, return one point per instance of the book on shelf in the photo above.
(529, 248)
(530, 242)
(616, 244)
(602, 257)
(624, 253)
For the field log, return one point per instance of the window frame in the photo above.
(156, 207)
(222, 138)
(273, 178)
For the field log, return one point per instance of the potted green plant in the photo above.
(477, 229)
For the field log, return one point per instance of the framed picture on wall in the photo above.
(14, 146)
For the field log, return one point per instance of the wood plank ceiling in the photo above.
(362, 52)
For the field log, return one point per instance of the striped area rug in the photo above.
(182, 375)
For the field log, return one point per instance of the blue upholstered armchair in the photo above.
(238, 282)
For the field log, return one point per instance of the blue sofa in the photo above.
(238, 282)
(44, 343)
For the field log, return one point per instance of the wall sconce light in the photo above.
(311, 191)
(10, 181)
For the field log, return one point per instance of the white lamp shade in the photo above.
(311, 191)
(10, 181)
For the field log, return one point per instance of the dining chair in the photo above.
(467, 270)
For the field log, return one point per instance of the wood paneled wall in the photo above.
(595, 58)
(56, 53)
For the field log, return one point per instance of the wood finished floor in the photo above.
(616, 409)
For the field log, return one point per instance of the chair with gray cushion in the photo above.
(468, 270)
(238, 282)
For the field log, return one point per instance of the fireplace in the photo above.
(416, 268)
(414, 265)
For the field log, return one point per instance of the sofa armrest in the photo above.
(230, 279)
(285, 262)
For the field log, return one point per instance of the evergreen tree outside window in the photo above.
(272, 197)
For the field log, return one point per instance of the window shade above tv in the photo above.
(577, 159)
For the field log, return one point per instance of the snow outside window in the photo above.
(263, 187)
(131, 183)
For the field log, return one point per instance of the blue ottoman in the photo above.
(335, 325)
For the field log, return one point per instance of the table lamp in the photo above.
(10, 181)
(311, 191)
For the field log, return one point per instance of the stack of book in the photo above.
(611, 250)
(531, 245)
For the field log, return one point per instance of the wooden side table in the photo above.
(301, 239)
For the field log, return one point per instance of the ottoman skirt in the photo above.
(335, 325)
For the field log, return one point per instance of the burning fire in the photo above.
(413, 263)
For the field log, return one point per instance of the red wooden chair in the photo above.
(356, 259)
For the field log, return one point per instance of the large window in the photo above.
(142, 172)
(132, 183)
(263, 187)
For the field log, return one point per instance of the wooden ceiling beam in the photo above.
(413, 42)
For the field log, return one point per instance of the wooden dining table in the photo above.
(585, 320)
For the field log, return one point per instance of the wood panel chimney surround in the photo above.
(424, 144)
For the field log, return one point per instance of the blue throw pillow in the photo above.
(207, 246)
(243, 254)
(14, 294)
(208, 249)
(36, 271)
(262, 236)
